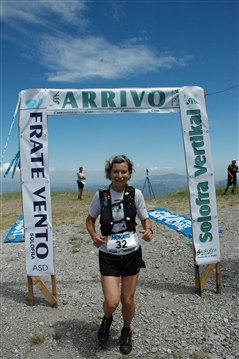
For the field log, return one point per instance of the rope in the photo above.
(229, 88)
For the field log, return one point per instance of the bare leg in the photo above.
(128, 288)
(80, 193)
(110, 287)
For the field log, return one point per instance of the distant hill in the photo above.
(155, 185)
(159, 185)
(221, 183)
(172, 178)
(94, 188)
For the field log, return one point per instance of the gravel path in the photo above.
(171, 321)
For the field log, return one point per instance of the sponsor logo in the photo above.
(55, 97)
(211, 252)
(191, 100)
(175, 98)
(32, 103)
(120, 237)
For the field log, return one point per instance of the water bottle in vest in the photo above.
(104, 200)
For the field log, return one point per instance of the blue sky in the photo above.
(121, 44)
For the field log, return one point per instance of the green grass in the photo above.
(73, 239)
(76, 244)
(180, 200)
(67, 209)
(37, 339)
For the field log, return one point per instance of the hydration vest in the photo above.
(106, 217)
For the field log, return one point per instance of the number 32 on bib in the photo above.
(121, 242)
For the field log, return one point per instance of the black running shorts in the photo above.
(121, 265)
(231, 181)
(80, 184)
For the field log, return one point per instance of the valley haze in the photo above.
(157, 185)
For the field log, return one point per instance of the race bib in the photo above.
(121, 242)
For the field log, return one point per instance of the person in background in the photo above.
(80, 182)
(232, 170)
(120, 254)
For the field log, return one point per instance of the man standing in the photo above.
(232, 170)
(81, 182)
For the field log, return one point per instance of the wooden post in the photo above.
(200, 282)
(53, 286)
(51, 297)
(218, 278)
(197, 280)
(30, 291)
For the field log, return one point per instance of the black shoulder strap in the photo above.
(128, 193)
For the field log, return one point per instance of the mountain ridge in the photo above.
(154, 185)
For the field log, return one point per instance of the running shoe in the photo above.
(126, 342)
(104, 330)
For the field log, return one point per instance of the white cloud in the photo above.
(68, 53)
(93, 170)
(86, 57)
(47, 14)
(4, 167)
(154, 168)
